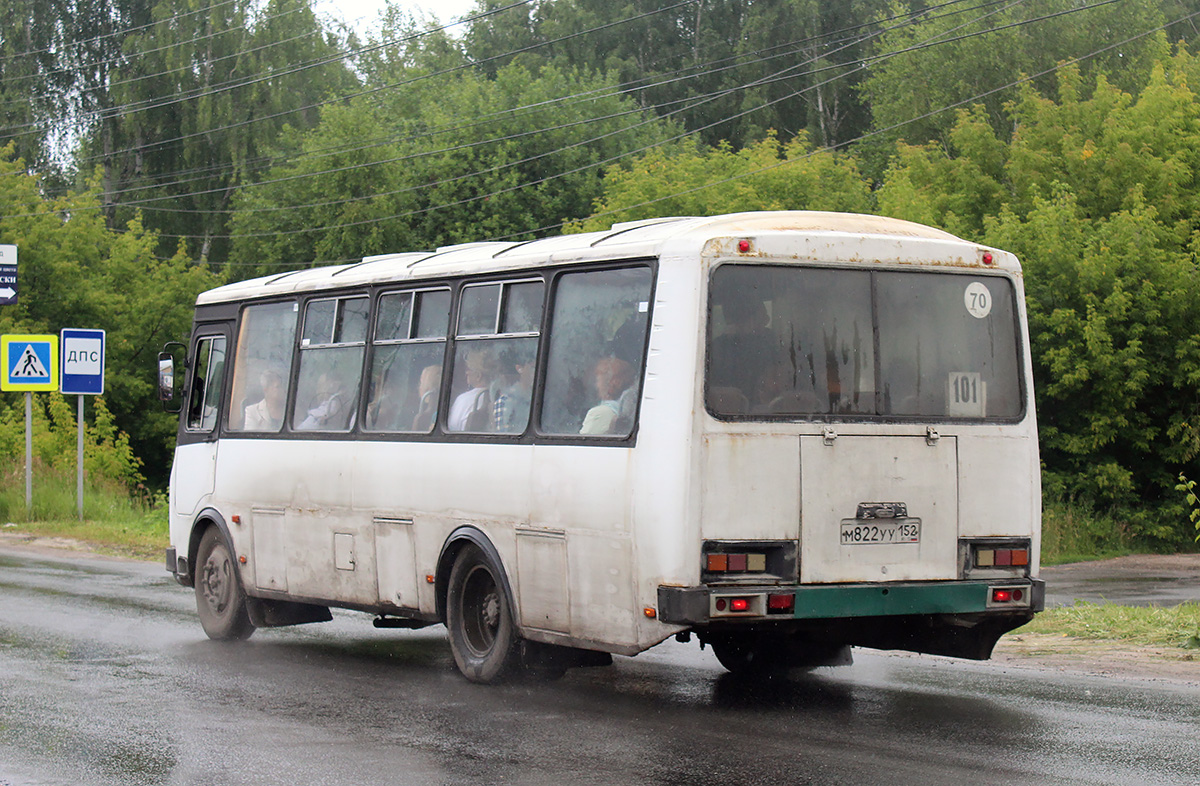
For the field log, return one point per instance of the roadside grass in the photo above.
(1148, 626)
(114, 522)
(1072, 533)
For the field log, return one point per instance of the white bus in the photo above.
(785, 433)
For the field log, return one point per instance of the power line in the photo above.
(594, 165)
(594, 93)
(914, 48)
(207, 91)
(628, 87)
(379, 89)
(181, 69)
(113, 34)
(831, 148)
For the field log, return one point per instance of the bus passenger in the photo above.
(472, 409)
(330, 410)
(266, 414)
(740, 357)
(387, 411)
(427, 398)
(612, 376)
(511, 410)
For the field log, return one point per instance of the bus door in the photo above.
(878, 508)
(195, 464)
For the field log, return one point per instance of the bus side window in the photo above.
(406, 366)
(331, 358)
(208, 376)
(597, 344)
(495, 354)
(262, 367)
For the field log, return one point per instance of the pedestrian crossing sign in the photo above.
(30, 363)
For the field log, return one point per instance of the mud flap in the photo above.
(266, 613)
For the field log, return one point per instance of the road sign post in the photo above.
(29, 364)
(82, 375)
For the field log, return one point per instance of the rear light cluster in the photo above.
(753, 605)
(997, 558)
(1003, 595)
(1008, 596)
(749, 561)
(736, 563)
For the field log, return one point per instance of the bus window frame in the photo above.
(1023, 382)
(416, 288)
(207, 324)
(555, 438)
(548, 275)
(210, 432)
(512, 278)
(299, 347)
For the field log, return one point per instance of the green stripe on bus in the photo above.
(876, 600)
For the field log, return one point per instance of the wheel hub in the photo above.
(216, 584)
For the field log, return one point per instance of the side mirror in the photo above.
(168, 392)
(166, 377)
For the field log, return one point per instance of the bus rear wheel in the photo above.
(750, 656)
(483, 637)
(220, 600)
(764, 655)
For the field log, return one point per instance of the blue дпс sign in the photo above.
(82, 362)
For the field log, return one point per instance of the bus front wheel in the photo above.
(479, 618)
(220, 600)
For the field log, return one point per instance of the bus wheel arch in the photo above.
(207, 519)
(459, 539)
(479, 611)
(220, 597)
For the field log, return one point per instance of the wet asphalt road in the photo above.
(1165, 580)
(106, 678)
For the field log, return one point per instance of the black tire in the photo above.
(220, 600)
(751, 657)
(479, 618)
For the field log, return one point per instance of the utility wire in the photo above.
(594, 165)
(779, 76)
(631, 87)
(113, 34)
(382, 88)
(877, 132)
(207, 91)
(708, 69)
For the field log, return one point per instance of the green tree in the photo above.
(730, 69)
(1097, 196)
(466, 158)
(75, 272)
(194, 103)
(687, 180)
(951, 64)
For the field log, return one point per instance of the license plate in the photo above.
(856, 532)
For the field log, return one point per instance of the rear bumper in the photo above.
(698, 606)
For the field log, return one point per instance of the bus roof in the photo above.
(634, 239)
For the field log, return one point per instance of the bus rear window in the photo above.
(793, 342)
